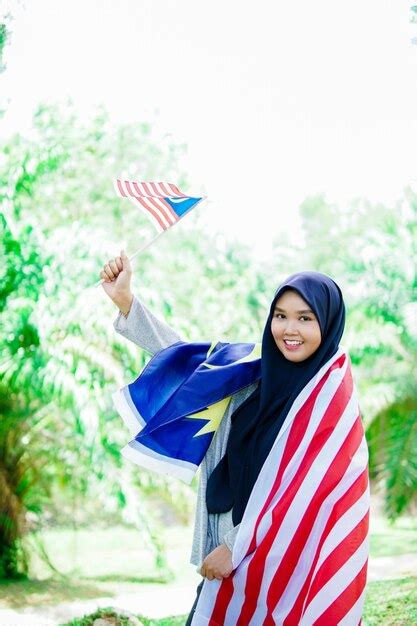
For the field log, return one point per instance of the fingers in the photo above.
(112, 269)
(205, 572)
(209, 573)
(125, 261)
(216, 566)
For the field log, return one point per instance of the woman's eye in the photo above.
(302, 317)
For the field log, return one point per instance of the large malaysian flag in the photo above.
(163, 203)
(301, 552)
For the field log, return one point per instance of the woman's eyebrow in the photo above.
(277, 308)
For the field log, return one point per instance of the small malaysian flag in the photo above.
(163, 203)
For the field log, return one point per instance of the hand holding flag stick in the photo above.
(100, 282)
(163, 203)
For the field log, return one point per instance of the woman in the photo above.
(282, 512)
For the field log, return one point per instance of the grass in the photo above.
(391, 603)
(22, 593)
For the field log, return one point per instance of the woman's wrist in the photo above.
(124, 303)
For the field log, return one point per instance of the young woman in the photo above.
(281, 530)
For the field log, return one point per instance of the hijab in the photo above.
(256, 423)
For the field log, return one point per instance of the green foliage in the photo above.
(105, 613)
(59, 432)
(392, 437)
(4, 37)
(121, 619)
(21, 475)
(60, 356)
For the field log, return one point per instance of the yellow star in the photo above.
(213, 414)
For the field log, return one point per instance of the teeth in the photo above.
(293, 343)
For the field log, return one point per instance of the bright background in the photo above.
(298, 120)
(275, 101)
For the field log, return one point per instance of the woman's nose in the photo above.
(291, 327)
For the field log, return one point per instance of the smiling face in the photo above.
(295, 327)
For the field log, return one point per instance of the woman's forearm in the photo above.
(143, 327)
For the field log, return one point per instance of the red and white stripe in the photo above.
(126, 188)
(150, 198)
(300, 555)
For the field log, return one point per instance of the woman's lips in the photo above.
(292, 348)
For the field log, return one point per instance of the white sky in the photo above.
(276, 100)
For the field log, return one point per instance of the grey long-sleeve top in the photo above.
(210, 529)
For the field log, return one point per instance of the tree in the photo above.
(60, 358)
(57, 207)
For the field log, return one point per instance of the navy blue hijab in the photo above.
(257, 421)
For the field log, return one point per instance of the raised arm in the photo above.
(134, 320)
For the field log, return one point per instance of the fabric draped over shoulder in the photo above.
(175, 405)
